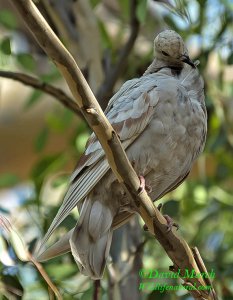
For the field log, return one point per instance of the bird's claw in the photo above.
(160, 206)
(143, 185)
(170, 223)
(145, 227)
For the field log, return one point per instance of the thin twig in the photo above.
(57, 93)
(51, 294)
(106, 89)
(45, 276)
(203, 269)
(97, 290)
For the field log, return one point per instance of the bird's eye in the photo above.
(165, 53)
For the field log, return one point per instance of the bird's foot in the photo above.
(145, 227)
(143, 185)
(160, 206)
(170, 222)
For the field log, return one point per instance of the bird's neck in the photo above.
(159, 64)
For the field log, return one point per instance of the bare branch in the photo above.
(97, 290)
(44, 87)
(106, 89)
(45, 276)
(176, 248)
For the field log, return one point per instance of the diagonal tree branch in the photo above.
(106, 89)
(176, 248)
(45, 87)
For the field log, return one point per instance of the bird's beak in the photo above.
(187, 60)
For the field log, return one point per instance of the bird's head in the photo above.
(169, 46)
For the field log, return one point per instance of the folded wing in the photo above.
(129, 112)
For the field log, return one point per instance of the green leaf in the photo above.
(59, 181)
(67, 118)
(59, 122)
(8, 180)
(46, 165)
(88, 294)
(26, 61)
(159, 296)
(8, 19)
(94, 3)
(42, 139)
(82, 127)
(14, 283)
(221, 195)
(6, 46)
(170, 22)
(171, 208)
(55, 122)
(69, 222)
(18, 245)
(141, 11)
(14, 239)
(4, 59)
(200, 195)
(124, 7)
(230, 59)
(61, 271)
(81, 140)
(106, 40)
(218, 141)
(52, 76)
(33, 99)
(4, 210)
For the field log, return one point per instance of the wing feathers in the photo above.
(77, 191)
(62, 246)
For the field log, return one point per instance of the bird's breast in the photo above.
(172, 139)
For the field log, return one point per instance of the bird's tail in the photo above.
(91, 239)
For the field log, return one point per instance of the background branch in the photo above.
(105, 91)
(97, 290)
(176, 248)
(57, 93)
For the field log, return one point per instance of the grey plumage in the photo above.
(161, 121)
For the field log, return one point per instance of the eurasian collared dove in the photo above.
(161, 121)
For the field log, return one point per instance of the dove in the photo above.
(161, 121)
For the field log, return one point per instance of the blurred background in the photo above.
(41, 140)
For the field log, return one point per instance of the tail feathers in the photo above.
(62, 246)
(91, 239)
